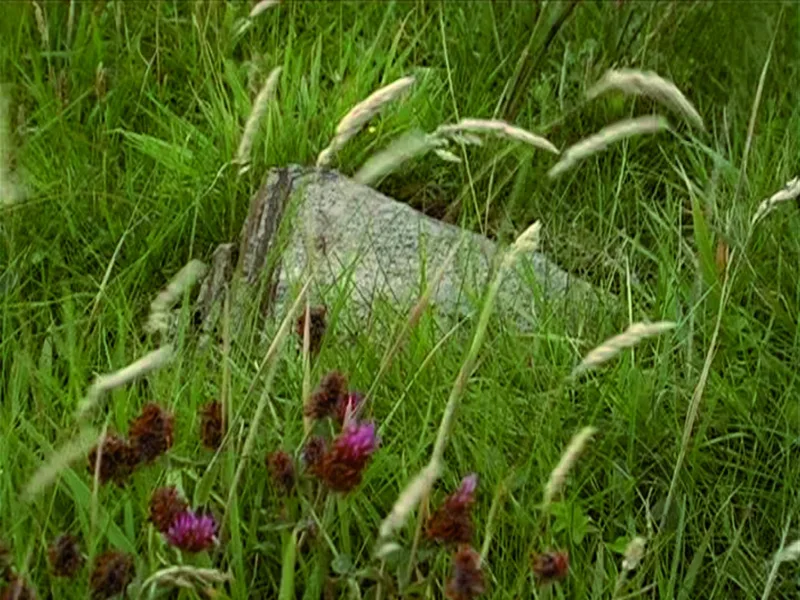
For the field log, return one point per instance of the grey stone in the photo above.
(374, 249)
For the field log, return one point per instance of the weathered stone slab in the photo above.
(373, 249)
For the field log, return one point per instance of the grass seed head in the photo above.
(634, 553)
(627, 339)
(409, 498)
(558, 477)
(652, 85)
(251, 126)
(791, 191)
(360, 115)
(498, 128)
(604, 138)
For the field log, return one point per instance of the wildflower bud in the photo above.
(112, 573)
(327, 397)
(313, 452)
(466, 582)
(151, 433)
(281, 468)
(550, 566)
(452, 522)
(65, 556)
(117, 459)
(166, 504)
(342, 466)
(316, 328)
(212, 428)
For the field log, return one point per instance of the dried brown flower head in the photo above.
(550, 566)
(313, 452)
(112, 572)
(467, 580)
(452, 521)
(166, 504)
(212, 427)
(316, 328)
(17, 589)
(65, 556)
(151, 432)
(332, 391)
(281, 468)
(117, 459)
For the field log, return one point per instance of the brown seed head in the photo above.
(452, 521)
(281, 467)
(151, 432)
(467, 580)
(117, 459)
(165, 504)
(65, 556)
(550, 566)
(316, 328)
(212, 428)
(111, 574)
(327, 397)
(313, 452)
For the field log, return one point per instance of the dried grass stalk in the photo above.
(360, 114)
(104, 383)
(628, 338)
(558, 477)
(790, 191)
(404, 148)
(409, 498)
(652, 85)
(495, 127)
(183, 280)
(251, 126)
(60, 460)
(605, 137)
